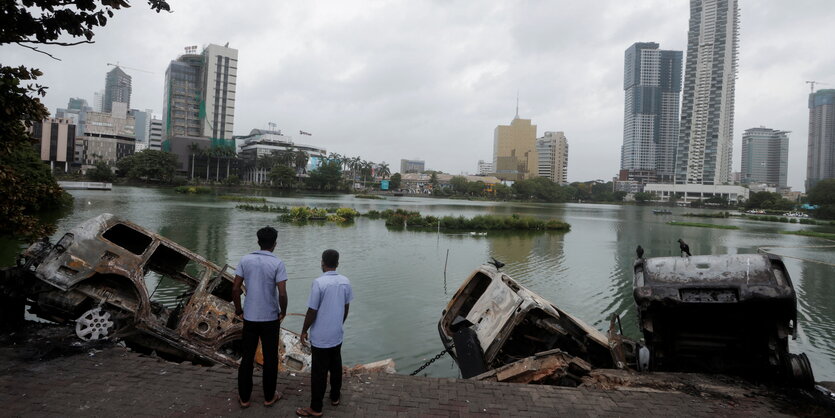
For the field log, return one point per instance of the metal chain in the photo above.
(425, 365)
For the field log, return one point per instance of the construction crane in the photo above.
(812, 85)
(129, 68)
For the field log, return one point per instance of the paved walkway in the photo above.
(115, 381)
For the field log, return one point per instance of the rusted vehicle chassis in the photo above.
(99, 273)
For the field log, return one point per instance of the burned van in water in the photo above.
(719, 313)
(493, 321)
(99, 273)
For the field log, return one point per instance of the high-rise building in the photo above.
(514, 150)
(552, 150)
(705, 146)
(652, 87)
(412, 166)
(765, 157)
(116, 89)
(820, 157)
(200, 95)
(77, 103)
(107, 137)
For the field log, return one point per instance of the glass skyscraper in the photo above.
(820, 157)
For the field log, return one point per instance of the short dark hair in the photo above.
(330, 258)
(267, 236)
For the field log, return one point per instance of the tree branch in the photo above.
(55, 43)
(38, 50)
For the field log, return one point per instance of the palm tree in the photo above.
(194, 148)
(383, 170)
(300, 159)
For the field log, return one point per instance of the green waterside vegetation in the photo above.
(402, 218)
(368, 196)
(702, 225)
(302, 214)
(193, 189)
(784, 219)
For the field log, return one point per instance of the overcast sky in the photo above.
(387, 80)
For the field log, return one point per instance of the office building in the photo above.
(412, 166)
(765, 157)
(56, 142)
(108, 137)
(820, 157)
(704, 151)
(200, 95)
(552, 150)
(98, 100)
(116, 89)
(514, 150)
(262, 143)
(652, 88)
(76, 112)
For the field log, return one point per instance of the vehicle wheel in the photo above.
(94, 324)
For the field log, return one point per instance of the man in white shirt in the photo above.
(265, 278)
(330, 297)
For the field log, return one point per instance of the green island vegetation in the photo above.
(702, 225)
(369, 196)
(252, 199)
(264, 208)
(193, 189)
(807, 233)
(302, 214)
(410, 219)
(709, 215)
(785, 219)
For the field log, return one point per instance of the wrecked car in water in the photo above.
(719, 313)
(492, 321)
(99, 273)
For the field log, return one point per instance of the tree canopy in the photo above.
(149, 165)
(823, 195)
(26, 184)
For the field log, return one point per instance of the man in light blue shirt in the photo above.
(330, 297)
(265, 278)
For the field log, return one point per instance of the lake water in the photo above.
(398, 276)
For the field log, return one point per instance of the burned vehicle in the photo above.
(493, 321)
(719, 313)
(99, 273)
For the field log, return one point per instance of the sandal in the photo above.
(244, 405)
(335, 403)
(307, 412)
(272, 402)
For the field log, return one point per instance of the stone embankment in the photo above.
(48, 376)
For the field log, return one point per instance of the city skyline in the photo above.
(442, 89)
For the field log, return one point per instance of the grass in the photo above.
(807, 233)
(243, 199)
(407, 219)
(702, 225)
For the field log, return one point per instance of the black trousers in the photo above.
(267, 332)
(324, 361)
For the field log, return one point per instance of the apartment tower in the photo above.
(820, 157)
(705, 145)
(652, 88)
(552, 150)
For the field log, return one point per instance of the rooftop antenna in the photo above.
(517, 104)
(812, 85)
